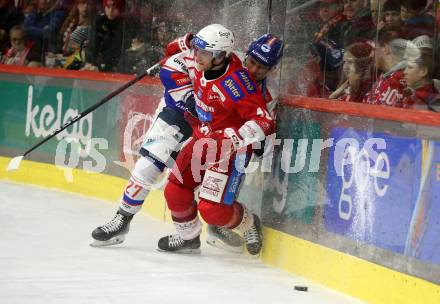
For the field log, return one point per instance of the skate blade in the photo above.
(214, 242)
(182, 251)
(113, 241)
(255, 255)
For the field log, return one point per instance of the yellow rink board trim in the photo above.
(353, 276)
(102, 186)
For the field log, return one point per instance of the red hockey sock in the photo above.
(220, 214)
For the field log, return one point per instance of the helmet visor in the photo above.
(203, 49)
(202, 54)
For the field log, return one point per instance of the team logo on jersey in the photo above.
(214, 97)
(265, 48)
(232, 89)
(199, 94)
(217, 93)
(203, 106)
(203, 116)
(203, 111)
(180, 62)
(246, 81)
(180, 79)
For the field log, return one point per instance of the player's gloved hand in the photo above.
(248, 134)
(229, 134)
(190, 106)
(229, 141)
(224, 146)
(178, 45)
(240, 138)
(234, 136)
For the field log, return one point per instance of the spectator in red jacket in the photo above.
(421, 92)
(389, 52)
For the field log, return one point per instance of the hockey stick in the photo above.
(301, 7)
(269, 15)
(14, 164)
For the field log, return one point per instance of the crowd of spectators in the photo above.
(377, 52)
(120, 36)
(370, 51)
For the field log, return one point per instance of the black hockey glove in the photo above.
(190, 106)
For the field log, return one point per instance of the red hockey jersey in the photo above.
(229, 101)
(388, 90)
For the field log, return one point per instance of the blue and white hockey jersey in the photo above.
(175, 74)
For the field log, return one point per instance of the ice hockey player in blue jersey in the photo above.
(160, 148)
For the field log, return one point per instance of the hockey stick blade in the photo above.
(14, 163)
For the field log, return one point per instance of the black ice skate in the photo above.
(254, 238)
(174, 243)
(113, 232)
(224, 238)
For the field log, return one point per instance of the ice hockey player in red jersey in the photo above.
(388, 90)
(231, 116)
(175, 78)
(261, 59)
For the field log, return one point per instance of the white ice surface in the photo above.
(45, 257)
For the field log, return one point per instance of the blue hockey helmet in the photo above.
(267, 50)
(332, 56)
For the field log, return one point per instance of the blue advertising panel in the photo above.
(423, 240)
(371, 179)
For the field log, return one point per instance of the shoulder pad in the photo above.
(177, 62)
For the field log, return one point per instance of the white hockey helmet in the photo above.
(214, 38)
